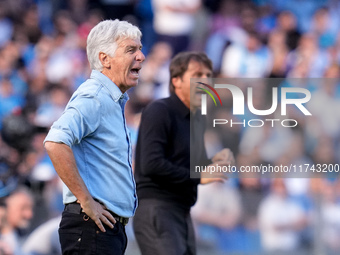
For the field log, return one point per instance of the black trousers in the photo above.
(163, 229)
(78, 234)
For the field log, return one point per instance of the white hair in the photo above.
(104, 36)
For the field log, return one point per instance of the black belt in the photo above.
(76, 208)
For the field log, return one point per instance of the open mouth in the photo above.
(135, 71)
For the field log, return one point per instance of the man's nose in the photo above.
(140, 56)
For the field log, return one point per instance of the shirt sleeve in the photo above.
(154, 136)
(80, 118)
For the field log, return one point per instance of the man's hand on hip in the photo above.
(98, 213)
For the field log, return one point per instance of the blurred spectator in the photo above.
(280, 220)
(326, 97)
(62, 63)
(79, 10)
(309, 55)
(322, 26)
(37, 65)
(219, 206)
(279, 52)
(266, 20)
(3, 214)
(19, 214)
(144, 14)
(249, 16)
(155, 77)
(269, 142)
(94, 17)
(44, 240)
(324, 152)
(53, 106)
(36, 95)
(9, 100)
(30, 24)
(251, 192)
(174, 22)
(117, 9)
(330, 209)
(337, 47)
(252, 60)
(4, 247)
(217, 211)
(226, 17)
(65, 27)
(302, 9)
(297, 155)
(225, 30)
(286, 23)
(6, 25)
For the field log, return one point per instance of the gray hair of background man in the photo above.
(104, 37)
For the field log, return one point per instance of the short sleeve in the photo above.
(80, 118)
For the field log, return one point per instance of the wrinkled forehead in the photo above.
(128, 41)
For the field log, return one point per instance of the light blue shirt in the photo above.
(93, 125)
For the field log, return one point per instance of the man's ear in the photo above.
(105, 60)
(176, 81)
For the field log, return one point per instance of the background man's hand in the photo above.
(224, 157)
(208, 177)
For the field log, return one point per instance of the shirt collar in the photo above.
(180, 106)
(113, 89)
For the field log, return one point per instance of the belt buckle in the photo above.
(122, 220)
(125, 221)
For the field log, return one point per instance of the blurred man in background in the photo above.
(280, 220)
(166, 192)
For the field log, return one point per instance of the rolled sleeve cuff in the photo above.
(58, 136)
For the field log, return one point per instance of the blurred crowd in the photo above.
(43, 60)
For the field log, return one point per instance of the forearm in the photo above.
(162, 168)
(65, 165)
